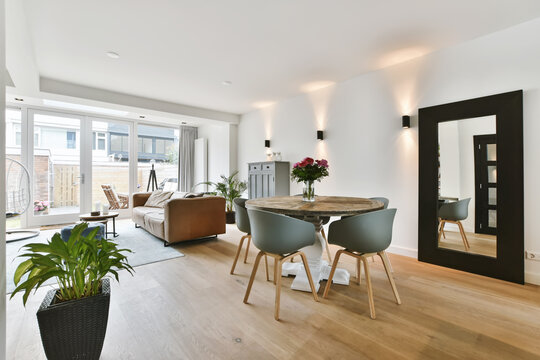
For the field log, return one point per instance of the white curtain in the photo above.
(186, 158)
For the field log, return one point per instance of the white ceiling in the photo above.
(180, 51)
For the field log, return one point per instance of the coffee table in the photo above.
(104, 219)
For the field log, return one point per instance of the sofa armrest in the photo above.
(187, 219)
(139, 199)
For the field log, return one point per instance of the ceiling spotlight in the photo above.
(19, 99)
(141, 116)
(112, 55)
(184, 123)
(226, 83)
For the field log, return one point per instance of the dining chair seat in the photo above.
(454, 212)
(281, 237)
(363, 236)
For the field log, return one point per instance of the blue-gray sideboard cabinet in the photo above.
(269, 178)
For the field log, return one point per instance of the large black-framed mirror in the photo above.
(471, 186)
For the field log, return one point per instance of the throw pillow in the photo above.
(193, 195)
(178, 195)
(158, 198)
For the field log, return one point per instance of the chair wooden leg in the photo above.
(326, 243)
(275, 269)
(278, 289)
(266, 267)
(310, 279)
(358, 272)
(388, 262)
(387, 268)
(441, 230)
(334, 266)
(247, 249)
(253, 273)
(238, 253)
(463, 236)
(369, 288)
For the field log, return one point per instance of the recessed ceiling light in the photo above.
(226, 83)
(19, 99)
(184, 123)
(142, 116)
(112, 54)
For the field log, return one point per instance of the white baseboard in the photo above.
(400, 250)
(532, 278)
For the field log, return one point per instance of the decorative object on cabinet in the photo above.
(270, 178)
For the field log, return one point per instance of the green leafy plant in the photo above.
(78, 264)
(229, 187)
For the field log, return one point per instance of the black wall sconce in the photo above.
(320, 135)
(406, 121)
(267, 143)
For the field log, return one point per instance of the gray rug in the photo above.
(145, 248)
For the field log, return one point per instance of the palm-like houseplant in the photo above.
(230, 188)
(73, 318)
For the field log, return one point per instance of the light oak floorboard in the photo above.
(191, 308)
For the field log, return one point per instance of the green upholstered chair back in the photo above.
(455, 211)
(242, 219)
(365, 233)
(279, 234)
(384, 200)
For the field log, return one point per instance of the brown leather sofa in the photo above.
(181, 219)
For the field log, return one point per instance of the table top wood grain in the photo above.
(322, 206)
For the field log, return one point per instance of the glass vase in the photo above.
(308, 193)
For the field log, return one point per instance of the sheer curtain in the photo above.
(186, 160)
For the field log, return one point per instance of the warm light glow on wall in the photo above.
(315, 85)
(267, 114)
(321, 151)
(320, 101)
(401, 55)
(262, 104)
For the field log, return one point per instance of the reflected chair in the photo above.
(281, 237)
(116, 201)
(454, 213)
(363, 236)
(242, 222)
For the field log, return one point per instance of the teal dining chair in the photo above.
(242, 222)
(281, 237)
(363, 236)
(454, 212)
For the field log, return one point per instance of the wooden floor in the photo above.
(191, 308)
(480, 243)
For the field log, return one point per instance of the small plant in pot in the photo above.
(73, 318)
(230, 188)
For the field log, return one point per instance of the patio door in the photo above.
(56, 141)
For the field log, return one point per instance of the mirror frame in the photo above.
(508, 109)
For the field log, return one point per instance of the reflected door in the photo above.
(485, 164)
(55, 166)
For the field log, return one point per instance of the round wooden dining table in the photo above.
(315, 213)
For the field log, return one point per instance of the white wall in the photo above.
(2, 187)
(370, 154)
(222, 149)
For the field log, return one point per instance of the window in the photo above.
(145, 145)
(119, 143)
(71, 139)
(98, 142)
(36, 138)
(160, 146)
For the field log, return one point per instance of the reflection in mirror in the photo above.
(468, 185)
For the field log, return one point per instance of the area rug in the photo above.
(145, 248)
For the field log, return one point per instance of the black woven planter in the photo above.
(230, 217)
(74, 329)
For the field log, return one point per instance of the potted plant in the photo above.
(73, 318)
(308, 171)
(230, 188)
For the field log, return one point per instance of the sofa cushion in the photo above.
(193, 195)
(154, 223)
(140, 211)
(178, 195)
(158, 199)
